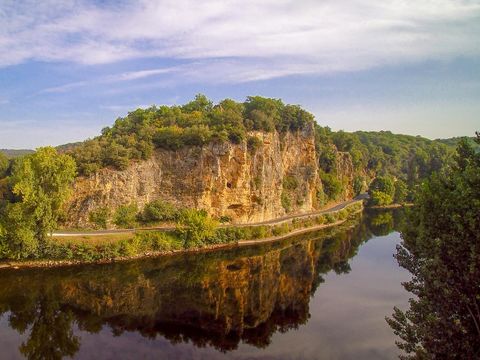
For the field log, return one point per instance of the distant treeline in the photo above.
(13, 153)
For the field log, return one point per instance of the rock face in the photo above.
(225, 179)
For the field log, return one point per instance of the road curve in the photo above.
(276, 221)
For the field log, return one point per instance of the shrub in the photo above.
(253, 143)
(99, 217)
(158, 211)
(379, 198)
(196, 228)
(225, 219)
(290, 182)
(330, 218)
(332, 187)
(126, 216)
(286, 203)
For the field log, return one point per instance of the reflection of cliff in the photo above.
(219, 298)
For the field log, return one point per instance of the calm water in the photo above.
(321, 296)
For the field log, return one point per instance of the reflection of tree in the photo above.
(50, 327)
(217, 299)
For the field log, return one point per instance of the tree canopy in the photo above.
(196, 123)
(39, 185)
(441, 249)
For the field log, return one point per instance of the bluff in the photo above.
(277, 176)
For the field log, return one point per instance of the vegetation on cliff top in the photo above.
(196, 123)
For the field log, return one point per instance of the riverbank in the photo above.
(154, 243)
(391, 206)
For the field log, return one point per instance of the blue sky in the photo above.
(69, 68)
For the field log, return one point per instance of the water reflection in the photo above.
(217, 299)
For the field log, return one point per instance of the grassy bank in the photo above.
(105, 248)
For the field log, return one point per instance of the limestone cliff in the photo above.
(226, 179)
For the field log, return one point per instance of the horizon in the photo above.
(67, 69)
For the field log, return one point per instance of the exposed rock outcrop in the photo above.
(225, 179)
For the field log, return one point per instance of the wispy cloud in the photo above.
(253, 40)
(125, 76)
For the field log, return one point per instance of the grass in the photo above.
(93, 240)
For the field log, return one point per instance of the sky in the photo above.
(68, 68)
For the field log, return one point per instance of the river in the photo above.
(323, 295)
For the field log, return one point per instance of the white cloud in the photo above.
(248, 40)
(126, 76)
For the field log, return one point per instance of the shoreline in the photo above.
(47, 263)
(391, 206)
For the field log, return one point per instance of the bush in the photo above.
(330, 218)
(159, 240)
(126, 216)
(99, 217)
(286, 203)
(290, 182)
(379, 198)
(196, 228)
(158, 211)
(332, 187)
(253, 143)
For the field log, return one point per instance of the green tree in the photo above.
(158, 211)
(126, 216)
(401, 192)
(196, 227)
(41, 183)
(382, 190)
(441, 249)
(4, 163)
(99, 217)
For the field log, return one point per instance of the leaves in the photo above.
(441, 249)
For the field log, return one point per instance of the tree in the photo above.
(4, 163)
(157, 211)
(196, 227)
(41, 183)
(99, 217)
(441, 249)
(401, 192)
(382, 190)
(126, 216)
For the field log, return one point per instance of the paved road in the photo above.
(276, 221)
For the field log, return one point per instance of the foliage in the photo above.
(158, 211)
(380, 198)
(4, 163)
(401, 192)
(332, 186)
(196, 123)
(196, 228)
(99, 217)
(286, 202)
(40, 184)
(126, 216)
(358, 185)
(253, 143)
(441, 249)
(382, 190)
(290, 182)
